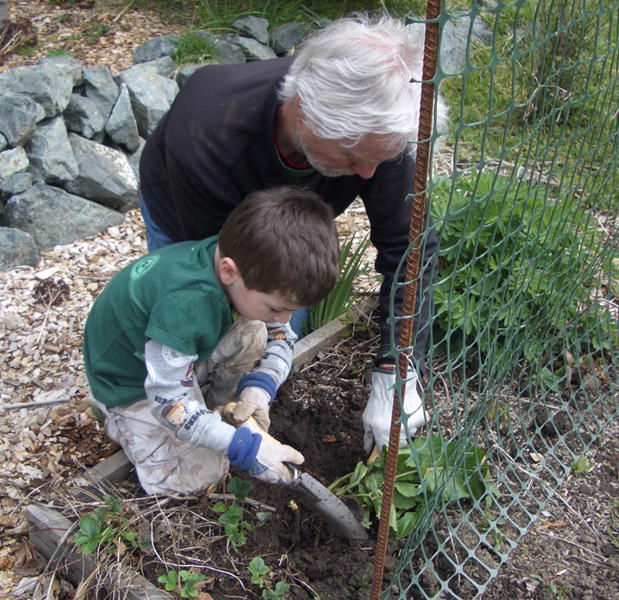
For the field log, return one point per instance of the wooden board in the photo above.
(48, 533)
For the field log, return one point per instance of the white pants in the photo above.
(165, 464)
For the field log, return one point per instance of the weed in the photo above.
(580, 466)
(231, 517)
(106, 528)
(186, 580)
(258, 571)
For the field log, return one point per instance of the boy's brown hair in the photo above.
(283, 240)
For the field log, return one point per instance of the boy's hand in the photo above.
(377, 413)
(262, 456)
(253, 402)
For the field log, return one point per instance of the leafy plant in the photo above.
(416, 487)
(580, 466)
(258, 571)
(232, 516)
(186, 580)
(107, 528)
(342, 297)
(512, 258)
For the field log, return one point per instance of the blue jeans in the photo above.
(155, 239)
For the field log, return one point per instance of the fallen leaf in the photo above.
(328, 439)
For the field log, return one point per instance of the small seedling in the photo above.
(580, 466)
(232, 516)
(188, 580)
(258, 572)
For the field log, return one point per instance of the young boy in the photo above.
(163, 328)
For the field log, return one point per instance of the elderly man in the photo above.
(338, 118)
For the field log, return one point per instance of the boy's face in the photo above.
(258, 306)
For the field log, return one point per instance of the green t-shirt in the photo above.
(172, 296)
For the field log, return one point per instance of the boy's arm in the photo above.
(257, 389)
(176, 402)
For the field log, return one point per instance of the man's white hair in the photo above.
(354, 78)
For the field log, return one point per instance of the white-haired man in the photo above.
(338, 118)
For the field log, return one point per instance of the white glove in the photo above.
(253, 402)
(268, 465)
(377, 413)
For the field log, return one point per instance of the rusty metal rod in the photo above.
(418, 210)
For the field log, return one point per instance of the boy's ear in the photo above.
(228, 271)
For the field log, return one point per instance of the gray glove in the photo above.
(253, 402)
(377, 413)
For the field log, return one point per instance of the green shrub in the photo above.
(516, 270)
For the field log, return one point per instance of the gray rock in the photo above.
(46, 84)
(3, 143)
(105, 175)
(17, 184)
(19, 115)
(164, 45)
(50, 154)
(285, 37)
(254, 27)
(17, 248)
(151, 96)
(228, 54)
(122, 127)
(454, 41)
(161, 66)
(52, 216)
(4, 13)
(134, 159)
(253, 50)
(67, 63)
(82, 116)
(101, 89)
(185, 72)
(12, 162)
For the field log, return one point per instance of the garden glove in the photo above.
(253, 402)
(262, 456)
(377, 413)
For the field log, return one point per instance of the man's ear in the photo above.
(228, 271)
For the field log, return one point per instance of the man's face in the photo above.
(331, 159)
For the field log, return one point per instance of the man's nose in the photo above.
(365, 172)
(283, 317)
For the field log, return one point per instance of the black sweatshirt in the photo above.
(215, 146)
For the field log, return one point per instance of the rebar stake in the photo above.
(418, 211)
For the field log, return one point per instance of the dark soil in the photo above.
(570, 553)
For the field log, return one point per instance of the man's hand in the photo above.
(377, 413)
(253, 402)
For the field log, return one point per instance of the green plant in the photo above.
(194, 47)
(258, 571)
(186, 580)
(342, 297)
(580, 466)
(232, 515)
(431, 468)
(55, 53)
(514, 258)
(107, 528)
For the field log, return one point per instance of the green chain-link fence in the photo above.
(523, 351)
